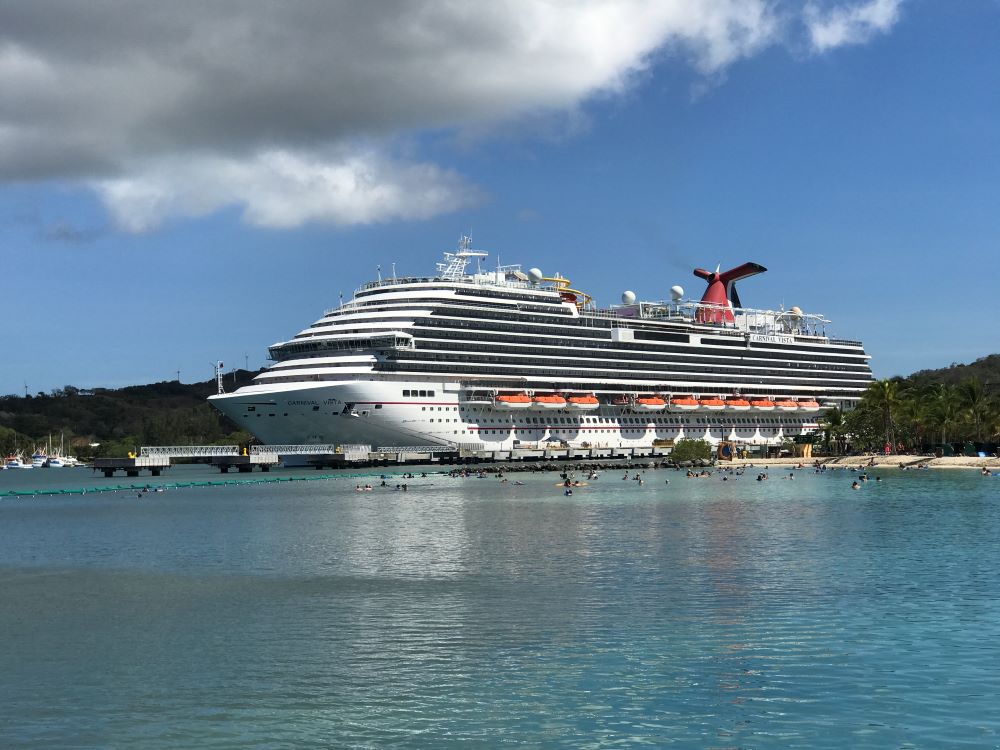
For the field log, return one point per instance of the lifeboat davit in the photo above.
(684, 403)
(786, 404)
(808, 404)
(650, 403)
(712, 403)
(760, 403)
(737, 403)
(550, 401)
(584, 403)
(513, 401)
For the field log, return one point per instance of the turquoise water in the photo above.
(469, 613)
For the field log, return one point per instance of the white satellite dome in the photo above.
(676, 292)
(796, 311)
(535, 275)
(628, 298)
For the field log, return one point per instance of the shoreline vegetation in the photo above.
(892, 461)
(952, 412)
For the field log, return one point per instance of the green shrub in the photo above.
(691, 450)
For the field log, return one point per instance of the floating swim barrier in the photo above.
(149, 487)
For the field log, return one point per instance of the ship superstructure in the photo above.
(503, 357)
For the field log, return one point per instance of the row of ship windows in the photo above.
(417, 394)
(641, 332)
(745, 430)
(631, 361)
(613, 352)
(562, 376)
(425, 329)
(555, 307)
(701, 374)
(643, 337)
(596, 326)
(542, 421)
(470, 293)
(608, 366)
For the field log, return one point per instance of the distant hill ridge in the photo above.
(985, 369)
(165, 413)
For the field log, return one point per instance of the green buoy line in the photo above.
(178, 485)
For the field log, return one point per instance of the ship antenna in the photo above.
(378, 268)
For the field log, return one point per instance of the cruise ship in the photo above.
(502, 358)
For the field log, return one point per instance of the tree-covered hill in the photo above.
(167, 413)
(985, 369)
(952, 409)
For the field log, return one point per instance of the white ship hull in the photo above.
(375, 413)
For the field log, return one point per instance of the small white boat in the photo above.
(15, 461)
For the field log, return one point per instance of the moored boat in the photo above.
(421, 360)
(16, 461)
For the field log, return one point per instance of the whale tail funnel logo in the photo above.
(720, 296)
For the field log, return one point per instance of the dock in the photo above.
(156, 459)
(131, 465)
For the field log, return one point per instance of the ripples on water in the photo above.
(468, 613)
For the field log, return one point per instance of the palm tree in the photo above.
(975, 402)
(833, 427)
(945, 408)
(883, 395)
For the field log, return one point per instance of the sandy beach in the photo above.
(892, 461)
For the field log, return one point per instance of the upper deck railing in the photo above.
(720, 319)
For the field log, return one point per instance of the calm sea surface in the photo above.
(469, 613)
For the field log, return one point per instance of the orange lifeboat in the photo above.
(550, 401)
(786, 404)
(684, 403)
(712, 403)
(808, 404)
(650, 403)
(513, 401)
(583, 402)
(737, 403)
(759, 403)
(620, 401)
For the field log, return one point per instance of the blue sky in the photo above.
(157, 214)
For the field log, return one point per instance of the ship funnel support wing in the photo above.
(721, 295)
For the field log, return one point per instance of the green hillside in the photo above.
(119, 420)
(953, 409)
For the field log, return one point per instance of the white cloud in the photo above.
(180, 108)
(853, 24)
(281, 189)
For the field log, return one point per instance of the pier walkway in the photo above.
(156, 458)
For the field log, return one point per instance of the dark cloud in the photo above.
(106, 90)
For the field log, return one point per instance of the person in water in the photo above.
(855, 485)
